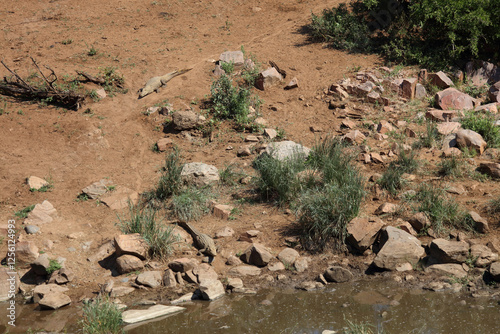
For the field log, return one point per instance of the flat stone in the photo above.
(355, 136)
(104, 251)
(226, 232)
(447, 269)
(135, 316)
(211, 289)
(398, 247)
(222, 211)
(257, 255)
(245, 270)
(233, 283)
(483, 255)
(120, 198)
(386, 208)
(268, 78)
(442, 115)
(41, 214)
(97, 189)
(453, 99)
(363, 232)
(448, 127)
(185, 298)
(182, 265)
(286, 149)
(128, 263)
(151, 279)
(205, 272)
(235, 57)
(41, 291)
(121, 291)
(164, 144)
(277, 266)
(36, 183)
(471, 139)
(62, 276)
(54, 301)
(132, 244)
(449, 251)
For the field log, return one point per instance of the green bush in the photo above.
(484, 124)
(53, 266)
(101, 316)
(189, 204)
(145, 222)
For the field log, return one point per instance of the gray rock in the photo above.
(337, 274)
(363, 232)
(97, 189)
(446, 251)
(398, 248)
(41, 264)
(135, 316)
(495, 271)
(199, 174)
(301, 264)
(185, 120)
(420, 91)
(169, 279)
(54, 301)
(245, 270)
(257, 255)
(483, 255)
(440, 79)
(268, 78)
(41, 214)
(32, 229)
(235, 57)
(41, 291)
(151, 279)
(132, 244)
(35, 182)
(288, 256)
(471, 139)
(286, 149)
(211, 289)
(447, 269)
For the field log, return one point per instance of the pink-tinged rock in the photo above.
(384, 127)
(235, 57)
(364, 88)
(386, 208)
(406, 226)
(420, 221)
(481, 72)
(442, 115)
(447, 269)
(222, 211)
(448, 127)
(373, 97)
(490, 168)
(481, 223)
(268, 78)
(35, 182)
(244, 270)
(257, 255)
(294, 83)
(150, 279)
(376, 158)
(164, 144)
(446, 251)
(494, 92)
(120, 198)
(398, 248)
(420, 91)
(441, 80)
(182, 265)
(363, 232)
(270, 133)
(128, 263)
(471, 139)
(408, 87)
(26, 252)
(132, 244)
(452, 99)
(355, 136)
(42, 213)
(54, 301)
(288, 256)
(490, 107)
(347, 123)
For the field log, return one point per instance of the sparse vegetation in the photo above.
(24, 212)
(145, 221)
(391, 179)
(452, 167)
(484, 124)
(229, 176)
(53, 266)
(101, 316)
(190, 204)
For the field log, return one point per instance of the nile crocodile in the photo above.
(203, 242)
(154, 84)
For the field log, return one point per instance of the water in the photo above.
(383, 304)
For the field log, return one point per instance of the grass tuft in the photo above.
(101, 316)
(190, 204)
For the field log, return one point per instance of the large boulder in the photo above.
(132, 244)
(483, 255)
(128, 263)
(447, 269)
(397, 248)
(199, 174)
(471, 139)
(211, 289)
(257, 255)
(185, 120)
(288, 256)
(453, 99)
(481, 72)
(338, 274)
(363, 232)
(445, 251)
(440, 79)
(286, 149)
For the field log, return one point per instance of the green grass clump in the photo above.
(101, 316)
(325, 190)
(360, 328)
(443, 212)
(430, 138)
(24, 212)
(145, 222)
(392, 180)
(170, 181)
(53, 266)
(190, 204)
(229, 176)
(494, 205)
(452, 167)
(484, 124)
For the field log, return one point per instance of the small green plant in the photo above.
(82, 197)
(111, 188)
(92, 51)
(360, 328)
(430, 138)
(484, 124)
(189, 204)
(494, 205)
(101, 316)
(24, 212)
(229, 175)
(67, 41)
(474, 90)
(53, 266)
(228, 67)
(145, 222)
(452, 167)
(391, 179)
(155, 148)
(94, 96)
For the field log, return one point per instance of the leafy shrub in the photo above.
(484, 124)
(145, 222)
(189, 204)
(53, 266)
(101, 316)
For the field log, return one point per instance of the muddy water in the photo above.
(383, 304)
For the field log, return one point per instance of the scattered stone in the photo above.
(276, 266)
(384, 127)
(120, 198)
(62, 276)
(41, 214)
(457, 190)
(398, 247)
(54, 301)
(252, 139)
(36, 183)
(128, 263)
(483, 255)
(205, 272)
(354, 136)
(244, 151)
(41, 264)
(26, 253)
(222, 211)
(448, 127)
(362, 232)
(494, 92)
(490, 107)
(495, 271)
(233, 261)
(132, 244)
(288, 256)
(268, 78)
(199, 174)
(256, 255)
(420, 221)
(104, 251)
(364, 88)
(338, 274)
(373, 97)
(234, 283)
(286, 149)
(134, 316)
(404, 267)
(471, 139)
(490, 168)
(376, 158)
(164, 144)
(441, 115)
(43, 290)
(445, 251)
(481, 72)
(182, 265)
(440, 79)
(301, 264)
(310, 286)
(97, 189)
(453, 99)
(386, 208)
(408, 87)
(420, 91)
(226, 232)
(185, 120)
(270, 133)
(150, 279)
(121, 291)
(294, 83)
(347, 123)
(481, 223)
(245, 270)
(211, 289)
(447, 269)
(235, 57)
(32, 229)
